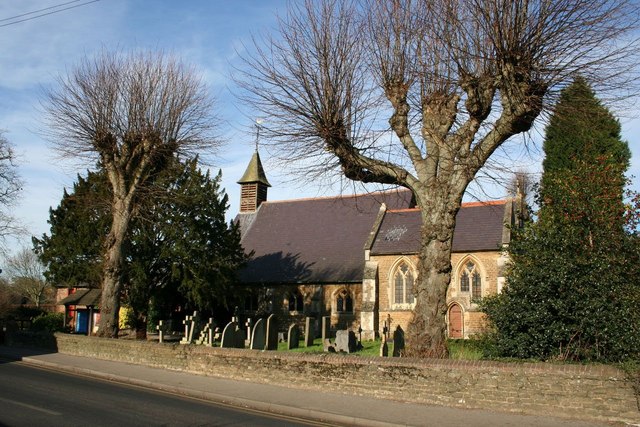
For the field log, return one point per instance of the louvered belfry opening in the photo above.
(253, 186)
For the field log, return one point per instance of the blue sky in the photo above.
(206, 34)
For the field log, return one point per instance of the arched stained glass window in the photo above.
(403, 284)
(296, 301)
(470, 280)
(344, 302)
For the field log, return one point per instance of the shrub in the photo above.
(48, 322)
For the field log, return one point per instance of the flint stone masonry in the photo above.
(576, 391)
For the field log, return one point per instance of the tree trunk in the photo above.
(426, 335)
(140, 325)
(111, 282)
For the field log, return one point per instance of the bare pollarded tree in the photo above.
(10, 189)
(27, 279)
(452, 80)
(131, 113)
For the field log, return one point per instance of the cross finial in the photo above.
(259, 121)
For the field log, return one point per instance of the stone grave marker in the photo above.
(384, 348)
(240, 334)
(326, 324)
(293, 337)
(272, 333)
(258, 335)
(327, 347)
(189, 326)
(206, 334)
(160, 329)
(398, 342)
(248, 324)
(309, 333)
(346, 341)
(229, 335)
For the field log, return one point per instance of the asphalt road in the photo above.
(31, 396)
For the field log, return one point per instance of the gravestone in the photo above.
(206, 334)
(229, 335)
(258, 335)
(309, 334)
(160, 329)
(327, 347)
(272, 333)
(240, 337)
(326, 324)
(398, 342)
(293, 337)
(346, 341)
(189, 327)
(384, 348)
(249, 325)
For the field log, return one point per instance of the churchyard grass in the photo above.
(369, 348)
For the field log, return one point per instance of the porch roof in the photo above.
(86, 297)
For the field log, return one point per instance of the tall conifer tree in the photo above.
(572, 287)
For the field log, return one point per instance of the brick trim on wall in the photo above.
(596, 392)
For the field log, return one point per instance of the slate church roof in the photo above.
(479, 227)
(322, 240)
(318, 240)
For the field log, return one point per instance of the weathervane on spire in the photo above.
(259, 121)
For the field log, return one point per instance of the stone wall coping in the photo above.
(585, 370)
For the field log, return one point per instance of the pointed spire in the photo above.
(253, 186)
(255, 172)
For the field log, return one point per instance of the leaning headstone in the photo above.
(272, 333)
(346, 341)
(229, 335)
(240, 334)
(293, 337)
(309, 335)
(258, 335)
(398, 342)
(326, 324)
(384, 348)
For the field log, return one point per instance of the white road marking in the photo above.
(26, 405)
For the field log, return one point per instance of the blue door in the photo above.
(82, 321)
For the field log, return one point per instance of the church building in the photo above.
(354, 258)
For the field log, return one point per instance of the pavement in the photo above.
(328, 408)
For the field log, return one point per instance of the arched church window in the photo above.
(470, 280)
(403, 280)
(296, 301)
(344, 302)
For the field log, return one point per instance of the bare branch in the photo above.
(132, 114)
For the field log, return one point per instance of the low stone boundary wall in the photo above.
(576, 391)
